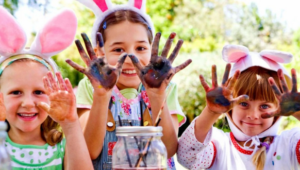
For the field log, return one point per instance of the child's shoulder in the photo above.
(35, 155)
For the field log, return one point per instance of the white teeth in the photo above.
(129, 71)
(27, 115)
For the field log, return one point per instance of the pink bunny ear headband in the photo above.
(243, 59)
(103, 8)
(56, 35)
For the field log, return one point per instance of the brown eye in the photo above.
(141, 48)
(38, 92)
(16, 92)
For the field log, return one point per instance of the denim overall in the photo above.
(133, 115)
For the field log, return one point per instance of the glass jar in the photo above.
(139, 148)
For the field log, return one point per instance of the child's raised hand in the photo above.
(2, 108)
(62, 99)
(98, 71)
(219, 98)
(289, 101)
(159, 72)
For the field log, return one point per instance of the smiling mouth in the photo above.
(129, 72)
(27, 116)
(252, 124)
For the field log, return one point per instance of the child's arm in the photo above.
(62, 109)
(2, 108)
(218, 100)
(155, 78)
(103, 78)
(289, 101)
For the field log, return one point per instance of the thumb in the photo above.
(44, 106)
(241, 98)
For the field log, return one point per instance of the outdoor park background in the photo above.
(204, 25)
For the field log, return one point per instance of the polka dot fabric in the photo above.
(194, 154)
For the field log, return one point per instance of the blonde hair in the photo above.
(254, 82)
(50, 130)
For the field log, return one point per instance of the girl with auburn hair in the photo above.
(34, 105)
(125, 80)
(254, 98)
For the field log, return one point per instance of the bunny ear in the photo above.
(12, 36)
(97, 6)
(56, 35)
(277, 56)
(232, 53)
(139, 4)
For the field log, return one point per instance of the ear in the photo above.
(97, 6)
(232, 53)
(277, 56)
(12, 36)
(139, 4)
(56, 35)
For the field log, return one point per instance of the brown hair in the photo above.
(50, 130)
(125, 15)
(254, 82)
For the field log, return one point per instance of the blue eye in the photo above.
(264, 106)
(244, 104)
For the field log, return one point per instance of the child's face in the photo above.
(22, 87)
(130, 38)
(247, 116)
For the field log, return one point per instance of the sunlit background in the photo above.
(205, 26)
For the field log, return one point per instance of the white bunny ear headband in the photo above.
(103, 8)
(56, 35)
(243, 59)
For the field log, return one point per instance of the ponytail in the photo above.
(259, 157)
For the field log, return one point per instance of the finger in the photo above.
(294, 81)
(183, 65)
(69, 87)
(155, 47)
(88, 46)
(47, 85)
(168, 45)
(100, 45)
(203, 83)
(214, 76)
(82, 53)
(52, 81)
(233, 80)
(282, 81)
(136, 62)
(175, 51)
(226, 74)
(76, 66)
(270, 114)
(44, 106)
(61, 82)
(241, 98)
(274, 87)
(121, 61)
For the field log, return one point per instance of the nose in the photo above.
(28, 101)
(253, 114)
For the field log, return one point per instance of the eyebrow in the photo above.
(119, 43)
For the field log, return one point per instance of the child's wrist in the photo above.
(69, 125)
